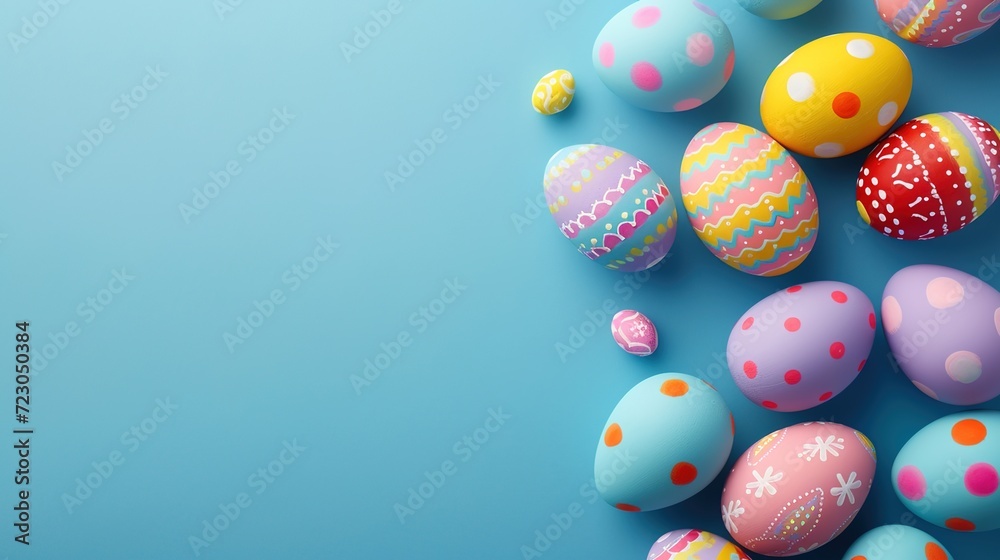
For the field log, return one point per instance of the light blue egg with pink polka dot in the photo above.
(665, 55)
(949, 472)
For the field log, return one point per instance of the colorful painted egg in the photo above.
(836, 95)
(932, 176)
(798, 488)
(947, 473)
(800, 347)
(554, 92)
(692, 544)
(778, 9)
(748, 199)
(612, 206)
(897, 542)
(665, 55)
(943, 328)
(938, 23)
(634, 332)
(665, 441)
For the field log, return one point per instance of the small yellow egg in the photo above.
(554, 92)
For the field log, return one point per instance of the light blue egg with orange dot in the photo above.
(948, 473)
(664, 442)
(665, 55)
(897, 542)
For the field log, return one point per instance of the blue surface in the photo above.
(490, 351)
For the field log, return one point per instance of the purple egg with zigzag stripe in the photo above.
(615, 209)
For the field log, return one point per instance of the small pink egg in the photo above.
(634, 332)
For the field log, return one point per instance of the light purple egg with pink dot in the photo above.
(665, 55)
(634, 332)
(802, 346)
(943, 327)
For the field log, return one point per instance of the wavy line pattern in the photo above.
(748, 200)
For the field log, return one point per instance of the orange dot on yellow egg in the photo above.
(613, 435)
(968, 432)
(683, 473)
(846, 105)
(674, 388)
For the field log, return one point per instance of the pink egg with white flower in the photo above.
(634, 332)
(798, 488)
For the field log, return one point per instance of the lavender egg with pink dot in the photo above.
(634, 332)
(665, 55)
(943, 328)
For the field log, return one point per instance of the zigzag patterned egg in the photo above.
(932, 176)
(939, 23)
(748, 199)
(796, 489)
(612, 206)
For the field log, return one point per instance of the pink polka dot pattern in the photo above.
(664, 55)
(981, 479)
(646, 17)
(911, 482)
(806, 344)
(892, 315)
(942, 328)
(607, 55)
(646, 77)
(700, 49)
(964, 366)
(687, 104)
(943, 293)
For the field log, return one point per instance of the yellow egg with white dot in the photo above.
(554, 92)
(837, 94)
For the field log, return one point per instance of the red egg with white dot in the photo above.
(932, 176)
(800, 347)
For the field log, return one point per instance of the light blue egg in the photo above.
(947, 473)
(665, 441)
(897, 542)
(778, 9)
(665, 55)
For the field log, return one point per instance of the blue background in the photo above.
(493, 347)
